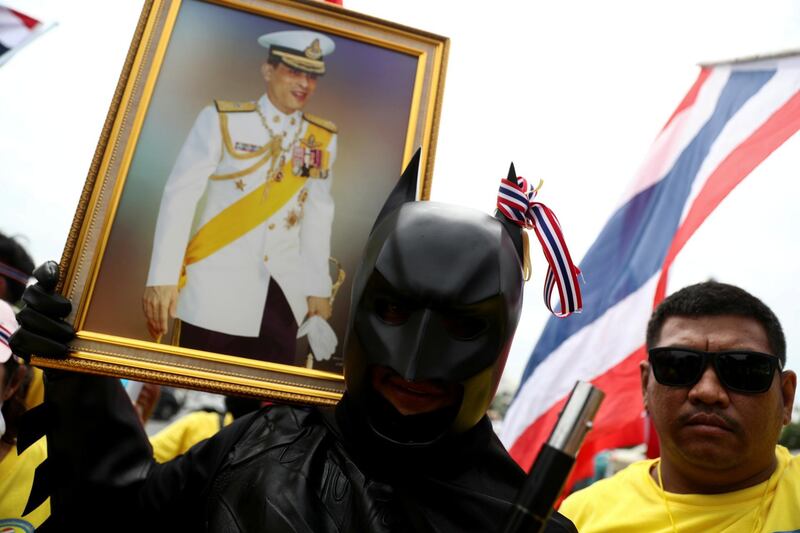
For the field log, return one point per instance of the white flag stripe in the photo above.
(674, 139)
(611, 338)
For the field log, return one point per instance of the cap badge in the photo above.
(313, 51)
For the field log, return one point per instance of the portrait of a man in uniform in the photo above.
(243, 235)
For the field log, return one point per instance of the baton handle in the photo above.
(534, 503)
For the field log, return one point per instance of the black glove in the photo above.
(43, 331)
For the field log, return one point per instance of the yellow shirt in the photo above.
(630, 501)
(178, 437)
(16, 480)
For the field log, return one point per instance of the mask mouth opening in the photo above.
(412, 430)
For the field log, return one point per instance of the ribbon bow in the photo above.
(515, 201)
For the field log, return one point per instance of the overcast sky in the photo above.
(572, 91)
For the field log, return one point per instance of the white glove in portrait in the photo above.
(321, 337)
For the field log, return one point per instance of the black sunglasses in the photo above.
(738, 370)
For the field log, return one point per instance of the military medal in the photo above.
(292, 218)
(297, 160)
(308, 159)
(277, 174)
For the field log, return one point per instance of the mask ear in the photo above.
(405, 190)
(512, 173)
(514, 231)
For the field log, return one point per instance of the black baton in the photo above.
(541, 489)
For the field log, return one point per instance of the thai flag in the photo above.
(732, 118)
(16, 30)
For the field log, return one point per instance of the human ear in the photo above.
(788, 388)
(266, 71)
(644, 376)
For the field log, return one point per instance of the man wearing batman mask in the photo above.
(435, 304)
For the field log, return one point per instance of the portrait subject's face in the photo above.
(288, 89)
(705, 426)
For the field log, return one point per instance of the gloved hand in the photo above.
(321, 337)
(43, 331)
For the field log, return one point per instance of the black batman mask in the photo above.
(436, 299)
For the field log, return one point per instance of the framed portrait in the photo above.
(246, 154)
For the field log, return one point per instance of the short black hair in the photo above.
(14, 255)
(712, 298)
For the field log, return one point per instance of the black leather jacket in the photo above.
(282, 469)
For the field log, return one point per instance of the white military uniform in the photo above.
(226, 291)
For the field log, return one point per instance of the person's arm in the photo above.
(315, 238)
(197, 160)
(97, 449)
(103, 471)
(100, 472)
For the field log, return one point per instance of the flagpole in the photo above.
(541, 489)
(748, 59)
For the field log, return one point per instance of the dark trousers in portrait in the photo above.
(275, 343)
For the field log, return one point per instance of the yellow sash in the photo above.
(250, 211)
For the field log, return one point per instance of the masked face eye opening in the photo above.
(465, 327)
(392, 312)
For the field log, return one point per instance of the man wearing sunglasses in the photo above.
(715, 386)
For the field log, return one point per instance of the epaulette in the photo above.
(224, 106)
(321, 122)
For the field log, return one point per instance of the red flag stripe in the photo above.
(29, 22)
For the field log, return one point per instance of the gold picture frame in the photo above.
(383, 88)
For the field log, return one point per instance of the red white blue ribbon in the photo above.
(515, 201)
